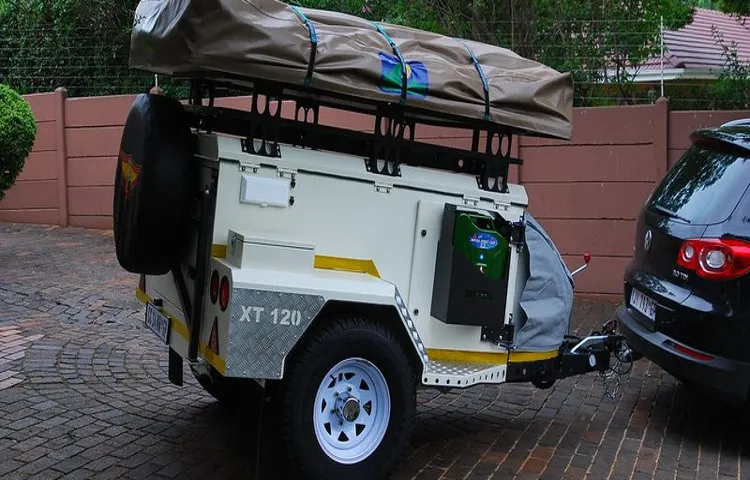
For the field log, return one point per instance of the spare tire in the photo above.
(154, 184)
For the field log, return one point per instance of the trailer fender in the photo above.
(271, 311)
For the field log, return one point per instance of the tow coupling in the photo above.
(604, 351)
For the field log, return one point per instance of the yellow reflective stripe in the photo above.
(500, 358)
(322, 262)
(520, 357)
(218, 251)
(215, 360)
(142, 296)
(182, 330)
(179, 328)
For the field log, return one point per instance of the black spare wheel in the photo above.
(153, 185)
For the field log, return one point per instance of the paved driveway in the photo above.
(84, 393)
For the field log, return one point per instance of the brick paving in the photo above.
(84, 394)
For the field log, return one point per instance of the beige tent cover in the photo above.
(272, 41)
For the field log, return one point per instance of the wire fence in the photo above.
(88, 64)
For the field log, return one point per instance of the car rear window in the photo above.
(704, 187)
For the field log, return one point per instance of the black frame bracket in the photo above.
(264, 125)
(392, 137)
(390, 144)
(502, 336)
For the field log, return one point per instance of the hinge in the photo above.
(381, 187)
(471, 201)
(249, 167)
(518, 233)
(501, 206)
(290, 173)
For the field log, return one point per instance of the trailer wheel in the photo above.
(348, 401)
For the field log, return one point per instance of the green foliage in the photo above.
(739, 7)
(599, 40)
(732, 89)
(17, 134)
(414, 13)
(77, 44)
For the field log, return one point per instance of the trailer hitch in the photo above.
(603, 351)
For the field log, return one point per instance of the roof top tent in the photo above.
(339, 268)
(317, 58)
(349, 62)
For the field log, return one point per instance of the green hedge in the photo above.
(17, 134)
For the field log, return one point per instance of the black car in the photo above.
(687, 290)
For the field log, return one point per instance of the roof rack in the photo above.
(389, 145)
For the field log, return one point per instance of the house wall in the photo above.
(586, 192)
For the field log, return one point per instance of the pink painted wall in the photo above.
(586, 191)
(93, 129)
(37, 196)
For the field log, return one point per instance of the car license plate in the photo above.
(157, 322)
(643, 304)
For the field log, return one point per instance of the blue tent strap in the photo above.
(313, 44)
(484, 81)
(397, 52)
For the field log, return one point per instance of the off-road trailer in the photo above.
(343, 268)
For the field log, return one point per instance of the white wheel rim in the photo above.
(351, 411)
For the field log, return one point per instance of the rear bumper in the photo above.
(725, 378)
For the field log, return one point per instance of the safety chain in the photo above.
(623, 364)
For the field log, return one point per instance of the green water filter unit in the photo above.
(474, 237)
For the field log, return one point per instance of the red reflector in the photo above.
(224, 294)
(214, 286)
(715, 258)
(213, 339)
(691, 353)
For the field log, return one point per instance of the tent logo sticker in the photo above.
(130, 172)
(417, 79)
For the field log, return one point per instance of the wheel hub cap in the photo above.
(352, 410)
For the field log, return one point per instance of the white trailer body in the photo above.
(320, 228)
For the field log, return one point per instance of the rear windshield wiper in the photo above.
(670, 213)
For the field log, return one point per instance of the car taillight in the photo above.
(224, 294)
(214, 286)
(715, 258)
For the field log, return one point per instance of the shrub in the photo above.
(17, 134)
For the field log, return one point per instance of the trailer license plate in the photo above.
(157, 322)
(643, 304)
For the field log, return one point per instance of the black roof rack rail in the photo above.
(389, 145)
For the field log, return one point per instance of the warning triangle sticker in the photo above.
(213, 339)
